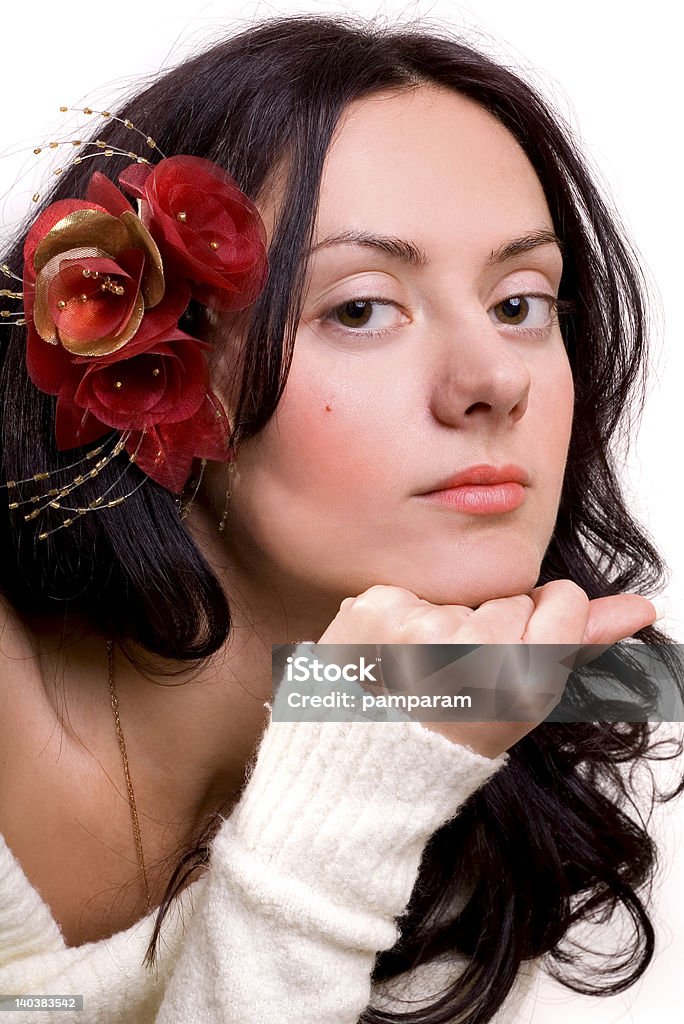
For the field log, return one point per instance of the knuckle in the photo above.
(377, 592)
(420, 625)
(381, 593)
(574, 592)
(477, 634)
(443, 624)
(365, 602)
(568, 590)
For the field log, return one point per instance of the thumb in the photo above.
(614, 618)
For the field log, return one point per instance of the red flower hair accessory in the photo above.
(206, 226)
(104, 288)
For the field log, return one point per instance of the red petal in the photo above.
(203, 436)
(194, 376)
(166, 232)
(104, 314)
(75, 426)
(133, 405)
(211, 430)
(238, 293)
(104, 192)
(133, 179)
(47, 365)
(195, 170)
(172, 468)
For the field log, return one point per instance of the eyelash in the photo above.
(558, 308)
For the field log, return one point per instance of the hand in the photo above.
(557, 613)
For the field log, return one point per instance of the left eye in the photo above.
(529, 310)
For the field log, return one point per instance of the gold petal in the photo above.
(153, 274)
(41, 318)
(83, 229)
(103, 346)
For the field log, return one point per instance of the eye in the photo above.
(360, 312)
(533, 312)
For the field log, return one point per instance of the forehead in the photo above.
(428, 163)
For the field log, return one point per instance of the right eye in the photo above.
(349, 317)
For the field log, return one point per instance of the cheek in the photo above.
(311, 430)
(317, 443)
(335, 419)
(307, 473)
(301, 437)
(556, 398)
(557, 418)
(564, 401)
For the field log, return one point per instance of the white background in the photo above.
(614, 71)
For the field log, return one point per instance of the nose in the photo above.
(479, 377)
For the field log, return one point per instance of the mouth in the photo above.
(482, 490)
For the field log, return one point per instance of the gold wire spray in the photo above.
(229, 492)
(103, 148)
(54, 495)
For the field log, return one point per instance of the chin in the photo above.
(473, 593)
(477, 592)
(471, 577)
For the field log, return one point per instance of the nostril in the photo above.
(475, 406)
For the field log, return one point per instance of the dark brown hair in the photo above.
(550, 828)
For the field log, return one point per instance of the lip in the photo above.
(484, 474)
(482, 489)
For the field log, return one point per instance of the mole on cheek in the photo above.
(328, 408)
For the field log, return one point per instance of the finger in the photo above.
(435, 623)
(500, 621)
(614, 618)
(560, 616)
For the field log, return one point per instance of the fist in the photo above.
(559, 613)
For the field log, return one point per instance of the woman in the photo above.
(445, 292)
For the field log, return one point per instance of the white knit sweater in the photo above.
(306, 879)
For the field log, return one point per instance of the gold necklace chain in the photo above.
(129, 784)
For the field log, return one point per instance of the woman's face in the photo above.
(409, 369)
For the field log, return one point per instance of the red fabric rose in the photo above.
(166, 384)
(91, 270)
(161, 393)
(207, 228)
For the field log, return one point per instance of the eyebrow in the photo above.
(526, 243)
(408, 252)
(398, 248)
